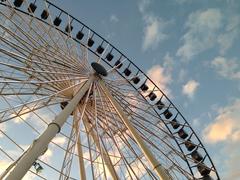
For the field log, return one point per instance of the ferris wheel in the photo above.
(72, 106)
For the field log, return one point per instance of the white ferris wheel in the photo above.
(72, 106)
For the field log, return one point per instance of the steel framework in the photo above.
(112, 119)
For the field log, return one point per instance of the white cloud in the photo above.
(114, 18)
(59, 140)
(190, 88)
(3, 165)
(208, 29)
(227, 68)
(232, 31)
(202, 28)
(161, 75)
(226, 125)
(153, 32)
(23, 117)
(3, 127)
(154, 27)
(226, 129)
(29, 176)
(46, 157)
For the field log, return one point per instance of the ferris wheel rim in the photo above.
(121, 74)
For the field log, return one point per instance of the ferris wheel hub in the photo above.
(99, 69)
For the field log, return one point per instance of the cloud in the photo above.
(59, 140)
(190, 88)
(23, 117)
(154, 27)
(227, 68)
(225, 126)
(202, 28)
(114, 18)
(143, 4)
(161, 75)
(3, 128)
(232, 32)
(225, 130)
(182, 75)
(4, 165)
(46, 157)
(153, 32)
(207, 29)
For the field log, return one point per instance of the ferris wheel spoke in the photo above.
(106, 104)
(150, 131)
(23, 43)
(159, 169)
(30, 62)
(105, 161)
(32, 73)
(84, 56)
(41, 102)
(122, 125)
(65, 40)
(67, 162)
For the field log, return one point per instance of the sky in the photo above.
(190, 48)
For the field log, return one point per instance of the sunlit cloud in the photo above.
(20, 118)
(227, 68)
(190, 88)
(59, 140)
(226, 125)
(4, 165)
(161, 75)
(225, 130)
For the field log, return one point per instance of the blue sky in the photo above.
(190, 49)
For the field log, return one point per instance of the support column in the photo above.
(79, 149)
(160, 170)
(40, 145)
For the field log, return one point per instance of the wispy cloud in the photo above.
(161, 74)
(113, 18)
(202, 27)
(232, 32)
(208, 29)
(154, 27)
(190, 88)
(227, 68)
(153, 31)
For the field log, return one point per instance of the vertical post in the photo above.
(40, 145)
(160, 170)
(79, 149)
